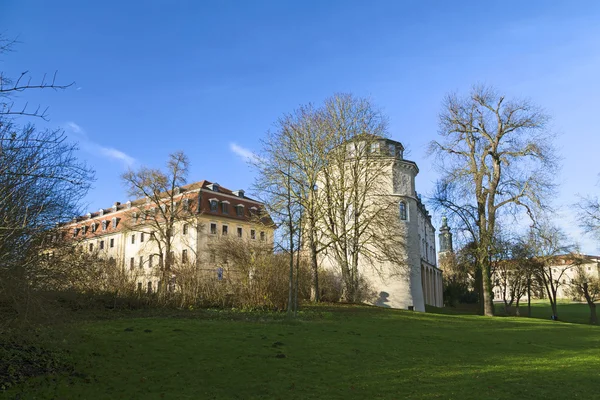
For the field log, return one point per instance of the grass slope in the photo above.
(337, 352)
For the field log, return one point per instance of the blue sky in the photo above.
(211, 77)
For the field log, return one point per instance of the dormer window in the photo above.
(375, 147)
(114, 222)
(214, 187)
(225, 207)
(94, 227)
(185, 204)
(104, 224)
(177, 190)
(128, 205)
(239, 209)
(84, 229)
(214, 205)
(239, 193)
(101, 212)
(75, 232)
(135, 217)
(253, 210)
(88, 215)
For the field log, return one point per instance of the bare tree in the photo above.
(586, 286)
(360, 222)
(589, 215)
(41, 186)
(497, 159)
(546, 242)
(10, 87)
(301, 142)
(163, 209)
(277, 189)
(512, 272)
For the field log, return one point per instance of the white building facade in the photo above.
(412, 280)
(123, 233)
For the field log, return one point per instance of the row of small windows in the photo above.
(239, 209)
(94, 226)
(185, 230)
(111, 244)
(239, 232)
(151, 260)
(375, 148)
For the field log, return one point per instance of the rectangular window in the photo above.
(239, 232)
(351, 149)
(220, 274)
(225, 208)
(186, 204)
(375, 147)
(91, 246)
(252, 234)
(150, 259)
(392, 149)
(262, 236)
(240, 210)
(102, 245)
(184, 258)
(131, 263)
(214, 204)
(112, 243)
(141, 261)
(132, 239)
(225, 230)
(142, 237)
(185, 229)
(213, 228)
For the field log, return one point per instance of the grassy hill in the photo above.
(328, 352)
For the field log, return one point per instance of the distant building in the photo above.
(562, 268)
(123, 233)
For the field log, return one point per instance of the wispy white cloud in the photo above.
(118, 155)
(73, 127)
(96, 148)
(243, 153)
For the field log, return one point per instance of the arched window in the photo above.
(403, 211)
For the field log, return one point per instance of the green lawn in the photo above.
(567, 311)
(337, 352)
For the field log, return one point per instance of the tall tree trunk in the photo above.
(554, 309)
(529, 297)
(488, 301)
(291, 283)
(314, 295)
(593, 316)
